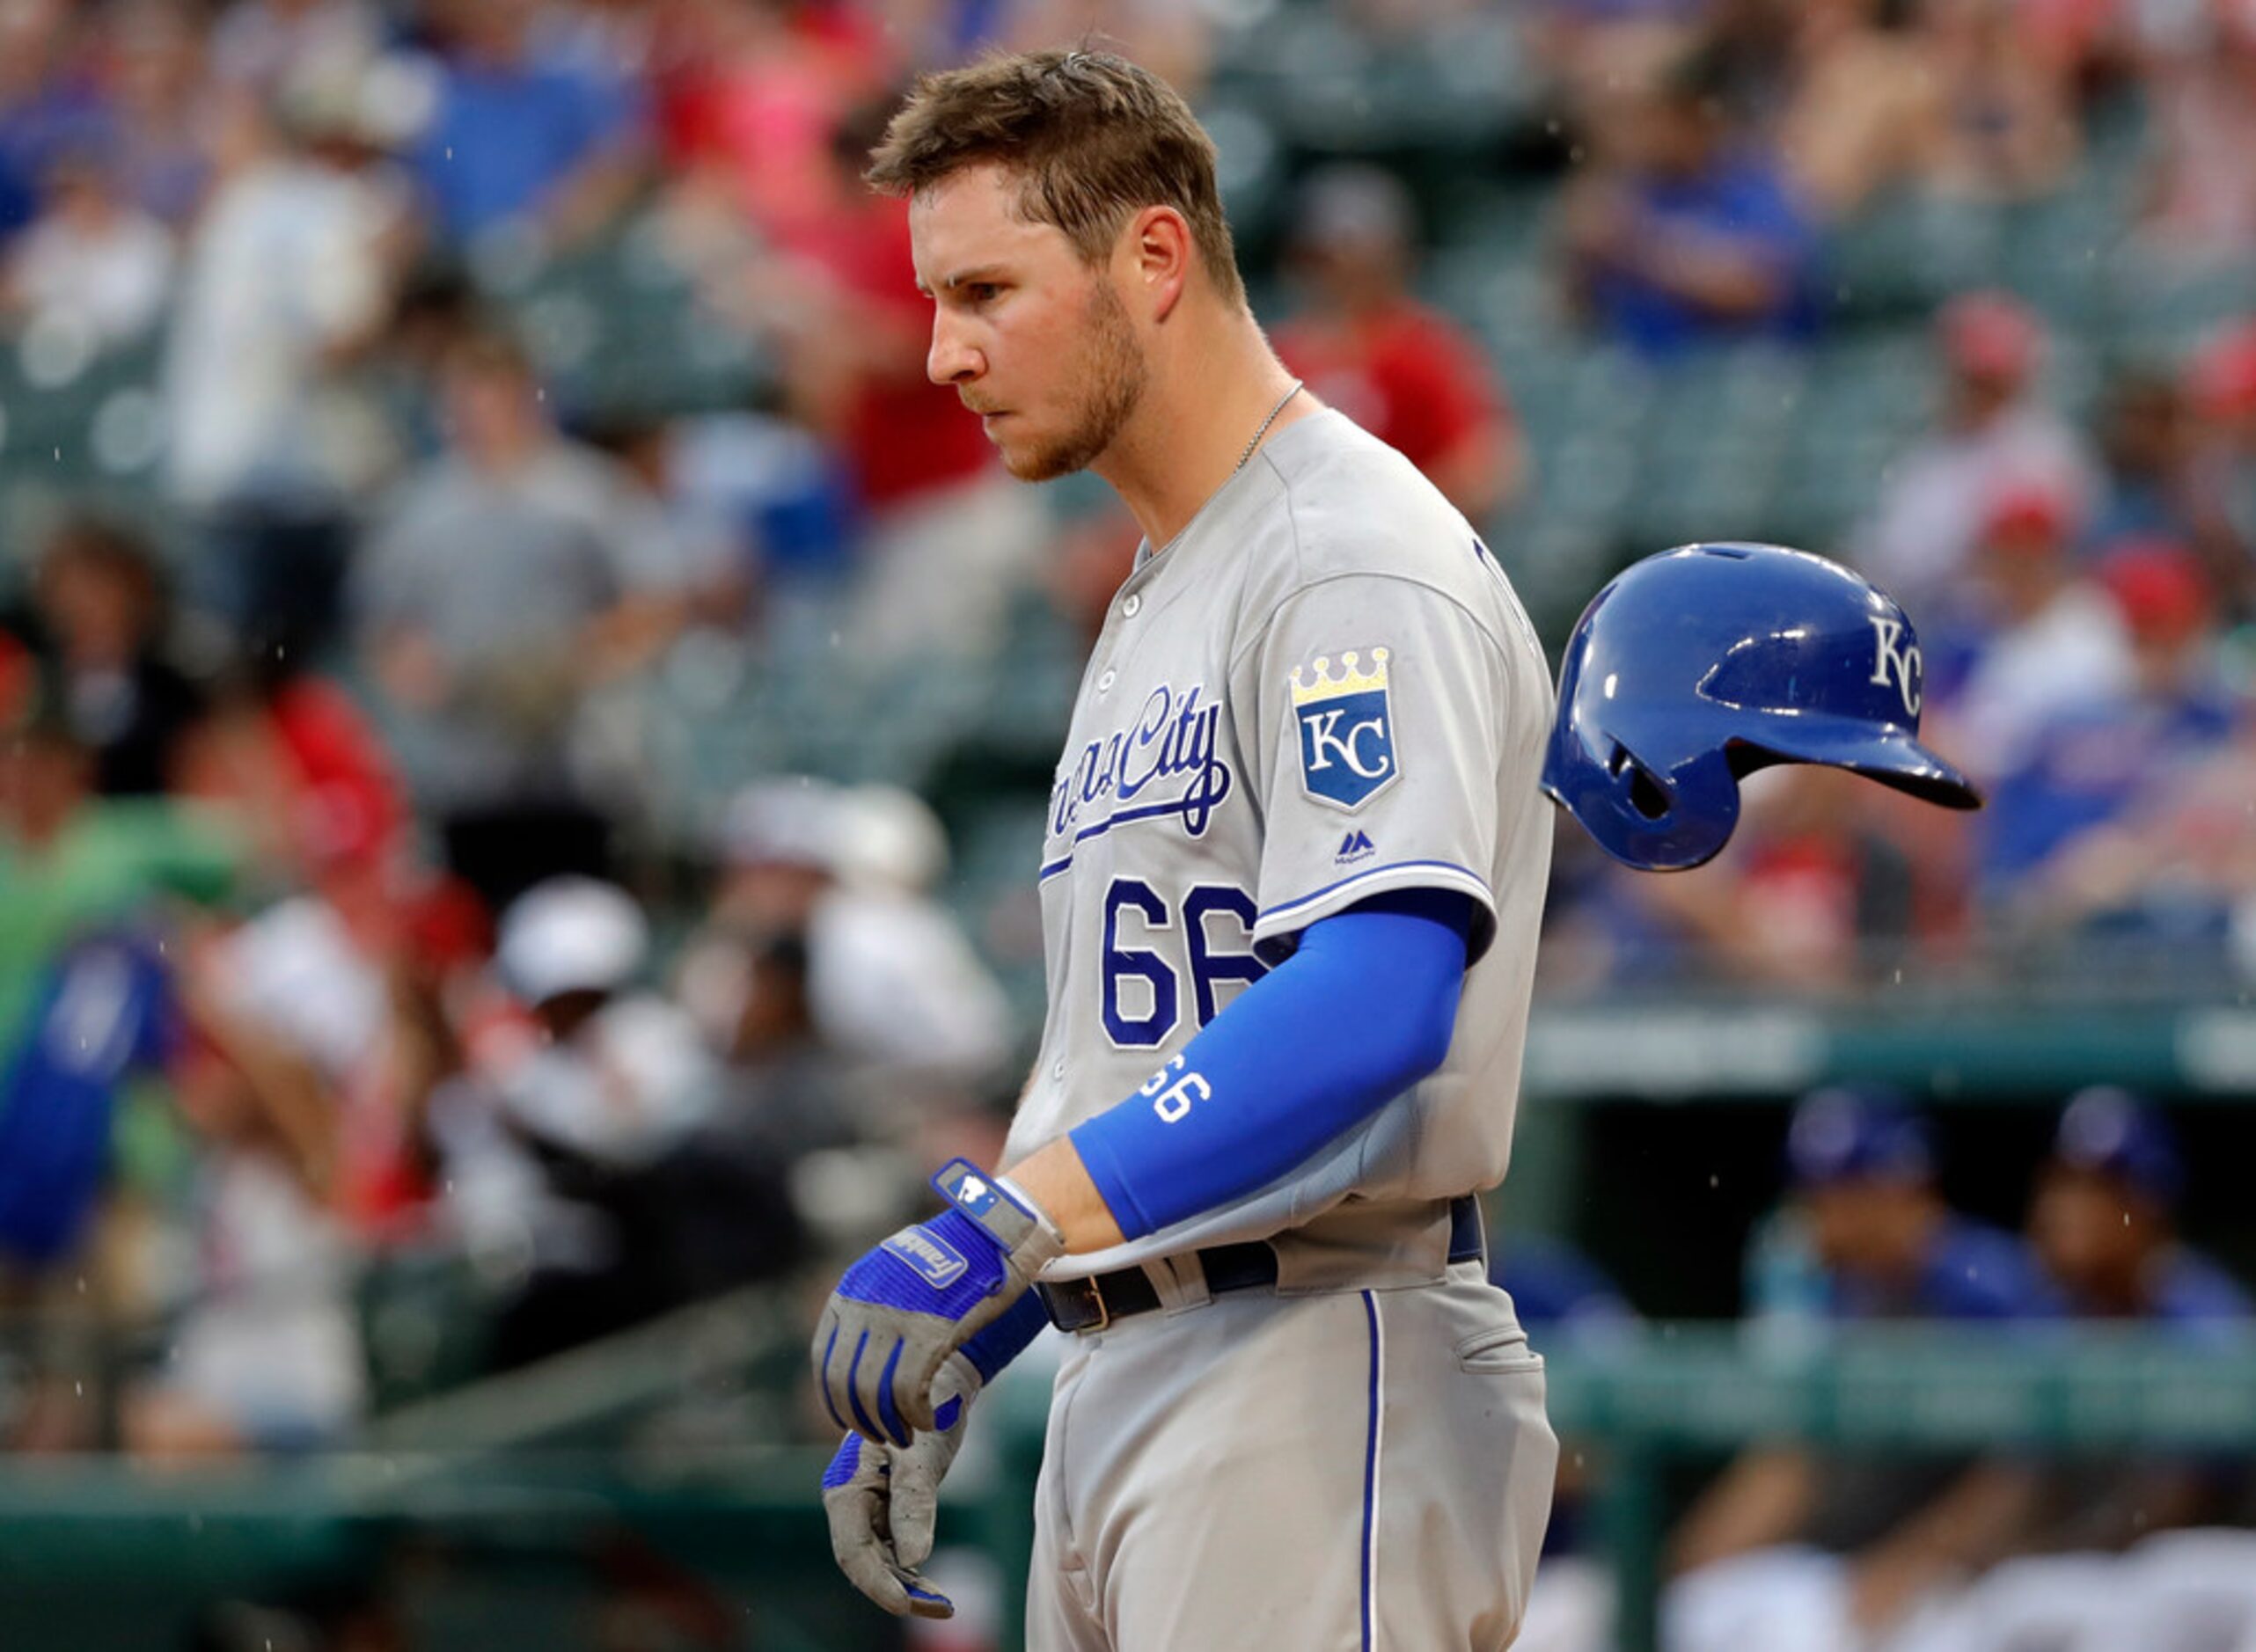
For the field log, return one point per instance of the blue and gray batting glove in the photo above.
(921, 1294)
(882, 1500)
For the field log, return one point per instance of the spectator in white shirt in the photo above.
(1992, 428)
(93, 267)
(2052, 641)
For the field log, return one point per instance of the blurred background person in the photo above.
(1795, 1548)
(2090, 758)
(892, 980)
(264, 1353)
(2200, 203)
(1993, 428)
(106, 659)
(1814, 895)
(1400, 368)
(521, 138)
(94, 268)
(2102, 1222)
(551, 1138)
(497, 590)
(1689, 235)
(1861, 109)
(2036, 638)
(73, 863)
(2008, 128)
(288, 276)
(2148, 488)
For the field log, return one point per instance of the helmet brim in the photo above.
(1891, 755)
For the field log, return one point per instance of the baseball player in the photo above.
(1291, 890)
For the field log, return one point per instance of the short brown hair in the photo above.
(1092, 137)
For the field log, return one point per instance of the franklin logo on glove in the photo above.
(939, 1264)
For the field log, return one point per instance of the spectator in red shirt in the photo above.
(1408, 374)
(947, 537)
(843, 301)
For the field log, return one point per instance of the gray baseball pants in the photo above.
(1346, 1472)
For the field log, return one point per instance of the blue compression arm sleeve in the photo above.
(1360, 1013)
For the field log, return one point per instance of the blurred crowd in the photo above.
(360, 895)
(2083, 582)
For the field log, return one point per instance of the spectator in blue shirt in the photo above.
(2091, 761)
(1696, 237)
(518, 136)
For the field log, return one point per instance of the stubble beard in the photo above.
(1114, 372)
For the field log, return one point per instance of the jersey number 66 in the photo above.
(1161, 990)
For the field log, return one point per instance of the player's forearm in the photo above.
(1725, 278)
(1057, 1181)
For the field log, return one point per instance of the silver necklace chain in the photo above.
(1263, 431)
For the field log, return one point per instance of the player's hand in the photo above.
(883, 1501)
(906, 1305)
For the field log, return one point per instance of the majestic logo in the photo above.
(1892, 660)
(934, 1261)
(1357, 845)
(1131, 773)
(1347, 736)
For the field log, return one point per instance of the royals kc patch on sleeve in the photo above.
(1345, 726)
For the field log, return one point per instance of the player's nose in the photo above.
(952, 360)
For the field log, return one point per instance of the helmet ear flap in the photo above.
(1672, 820)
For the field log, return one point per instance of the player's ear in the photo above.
(1158, 247)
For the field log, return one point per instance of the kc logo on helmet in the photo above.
(1346, 730)
(1892, 661)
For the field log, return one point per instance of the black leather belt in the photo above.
(1093, 1303)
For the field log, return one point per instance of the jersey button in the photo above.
(1128, 609)
(1105, 683)
(1058, 1071)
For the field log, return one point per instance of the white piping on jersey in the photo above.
(1479, 884)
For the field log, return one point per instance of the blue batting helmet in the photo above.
(1700, 665)
(2115, 1132)
(1856, 1132)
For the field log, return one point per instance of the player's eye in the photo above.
(982, 292)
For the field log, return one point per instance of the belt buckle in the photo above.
(1104, 1308)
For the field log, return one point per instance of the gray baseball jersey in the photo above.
(1324, 689)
